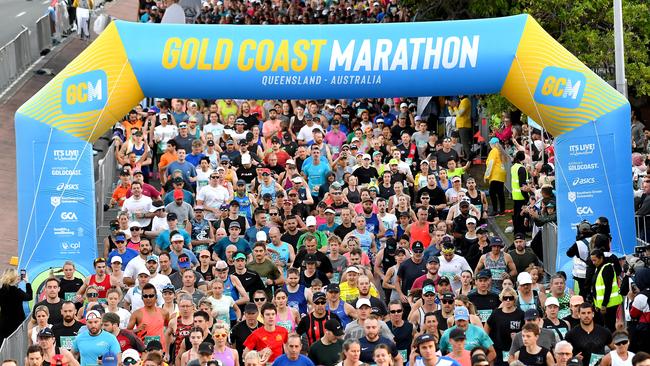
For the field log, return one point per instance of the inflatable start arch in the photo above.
(512, 55)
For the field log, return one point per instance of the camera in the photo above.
(643, 253)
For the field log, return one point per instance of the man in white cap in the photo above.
(133, 297)
(365, 173)
(321, 237)
(355, 329)
(93, 344)
(552, 320)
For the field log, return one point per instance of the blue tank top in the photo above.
(282, 254)
(270, 189)
(138, 152)
(244, 206)
(340, 312)
(297, 299)
(365, 240)
(372, 224)
(229, 289)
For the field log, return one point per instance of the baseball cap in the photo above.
(428, 289)
(463, 203)
(393, 162)
(447, 296)
(234, 224)
(143, 271)
(551, 301)
(457, 334)
(330, 210)
(177, 180)
(221, 265)
(116, 259)
(470, 220)
(496, 242)
(461, 313)
(455, 179)
(433, 259)
(152, 257)
(182, 125)
(133, 224)
(120, 237)
(352, 269)
(443, 279)
(109, 359)
(417, 247)
(296, 179)
(366, 156)
(176, 237)
(45, 332)
(333, 287)
(520, 236)
(317, 296)
(424, 338)
(130, 357)
(311, 221)
(206, 348)
(531, 314)
(169, 288)
(362, 302)
(334, 326)
(619, 337)
(93, 314)
(484, 273)
(239, 255)
(250, 308)
(184, 261)
(576, 300)
(524, 278)
(172, 216)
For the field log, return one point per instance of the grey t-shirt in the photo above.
(547, 339)
(355, 331)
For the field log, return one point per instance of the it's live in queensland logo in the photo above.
(84, 92)
(560, 87)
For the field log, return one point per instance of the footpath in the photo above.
(18, 94)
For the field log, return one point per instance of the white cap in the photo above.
(246, 159)
(470, 219)
(311, 221)
(297, 179)
(551, 301)
(403, 105)
(355, 139)
(130, 353)
(352, 269)
(362, 302)
(177, 237)
(366, 156)
(144, 271)
(116, 259)
(134, 224)
(524, 278)
(260, 236)
(418, 118)
(290, 161)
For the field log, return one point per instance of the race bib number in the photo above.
(66, 342)
(336, 277)
(403, 353)
(497, 273)
(449, 275)
(69, 296)
(563, 313)
(505, 356)
(484, 314)
(148, 339)
(595, 357)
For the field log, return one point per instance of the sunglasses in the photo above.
(429, 295)
(260, 299)
(221, 335)
(448, 302)
(150, 296)
(508, 298)
(396, 311)
(622, 343)
(92, 294)
(273, 213)
(214, 177)
(319, 302)
(204, 256)
(135, 229)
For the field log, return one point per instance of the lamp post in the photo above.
(619, 51)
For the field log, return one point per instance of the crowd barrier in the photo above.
(642, 224)
(15, 346)
(549, 238)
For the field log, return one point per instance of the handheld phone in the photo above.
(23, 272)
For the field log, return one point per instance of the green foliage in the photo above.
(583, 27)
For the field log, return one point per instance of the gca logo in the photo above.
(581, 181)
(584, 210)
(68, 216)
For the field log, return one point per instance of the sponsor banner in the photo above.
(57, 220)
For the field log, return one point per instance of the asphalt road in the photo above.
(16, 13)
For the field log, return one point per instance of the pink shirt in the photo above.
(335, 140)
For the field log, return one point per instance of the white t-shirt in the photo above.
(124, 315)
(202, 178)
(133, 206)
(134, 266)
(212, 197)
(453, 268)
(163, 134)
(306, 133)
(159, 224)
(134, 297)
(389, 220)
(221, 307)
(160, 280)
(215, 129)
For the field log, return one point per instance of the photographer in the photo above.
(640, 311)
(579, 251)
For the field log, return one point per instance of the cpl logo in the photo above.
(584, 210)
(84, 92)
(560, 87)
(68, 216)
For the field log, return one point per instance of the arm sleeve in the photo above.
(572, 251)
(522, 176)
(608, 277)
(302, 325)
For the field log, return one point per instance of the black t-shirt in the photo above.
(69, 286)
(589, 343)
(306, 281)
(502, 326)
(403, 335)
(240, 219)
(386, 192)
(251, 281)
(437, 195)
(208, 275)
(560, 329)
(442, 321)
(573, 322)
(324, 263)
(60, 330)
(324, 355)
(251, 120)
(444, 157)
(408, 271)
(292, 239)
(365, 175)
(239, 333)
(341, 231)
(367, 348)
(484, 304)
(533, 360)
(55, 311)
(247, 174)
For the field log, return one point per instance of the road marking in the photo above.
(21, 14)
(46, 1)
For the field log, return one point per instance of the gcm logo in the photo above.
(561, 87)
(84, 92)
(68, 216)
(584, 210)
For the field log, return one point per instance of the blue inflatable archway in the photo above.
(512, 55)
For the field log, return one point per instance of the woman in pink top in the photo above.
(285, 317)
(227, 355)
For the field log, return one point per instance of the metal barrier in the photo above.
(15, 57)
(15, 346)
(43, 33)
(642, 224)
(105, 183)
(549, 240)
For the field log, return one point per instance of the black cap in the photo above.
(206, 348)
(457, 334)
(574, 362)
(447, 296)
(45, 332)
(484, 273)
(287, 136)
(417, 247)
(250, 308)
(520, 236)
(334, 326)
(433, 259)
(154, 345)
(267, 197)
(444, 279)
(210, 142)
(531, 314)
(243, 142)
(317, 296)
(172, 216)
(333, 287)
(275, 139)
(463, 203)
(424, 338)
(177, 180)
